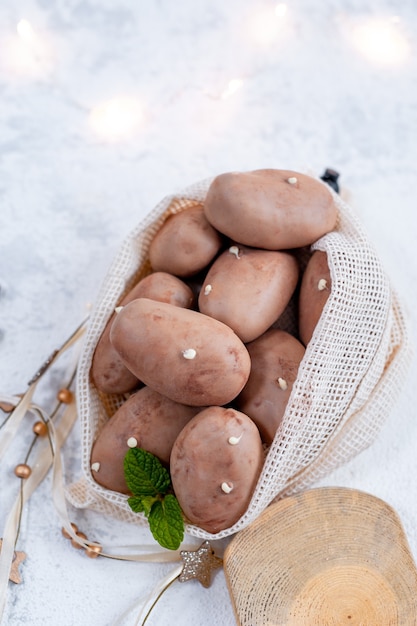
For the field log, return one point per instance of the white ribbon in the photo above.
(145, 606)
(10, 428)
(47, 453)
(40, 468)
(41, 464)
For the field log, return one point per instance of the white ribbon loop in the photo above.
(47, 454)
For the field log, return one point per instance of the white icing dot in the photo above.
(132, 442)
(282, 383)
(207, 289)
(234, 250)
(118, 309)
(227, 487)
(322, 284)
(189, 354)
(95, 467)
(235, 440)
(293, 180)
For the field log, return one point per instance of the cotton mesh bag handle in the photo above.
(351, 374)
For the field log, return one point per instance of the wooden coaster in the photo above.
(326, 557)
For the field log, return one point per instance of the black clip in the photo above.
(330, 177)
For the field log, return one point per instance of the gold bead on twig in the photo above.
(93, 551)
(40, 429)
(65, 396)
(66, 533)
(22, 470)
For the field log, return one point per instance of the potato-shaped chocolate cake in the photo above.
(275, 358)
(272, 209)
(183, 354)
(146, 420)
(185, 244)
(315, 289)
(108, 371)
(215, 464)
(248, 289)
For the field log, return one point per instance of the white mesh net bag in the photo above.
(347, 382)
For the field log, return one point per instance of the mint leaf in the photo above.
(166, 522)
(149, 481)
(141, 504)
(145, 475)
(136, 504)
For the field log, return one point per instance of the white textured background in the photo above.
(307, 96)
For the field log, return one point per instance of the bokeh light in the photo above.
(381, 41)
(268, 24)
(232, 87)
(117, 119)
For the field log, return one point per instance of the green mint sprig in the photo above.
(149, 482)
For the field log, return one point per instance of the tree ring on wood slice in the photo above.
(333, 556)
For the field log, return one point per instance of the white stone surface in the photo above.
(304, 97)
